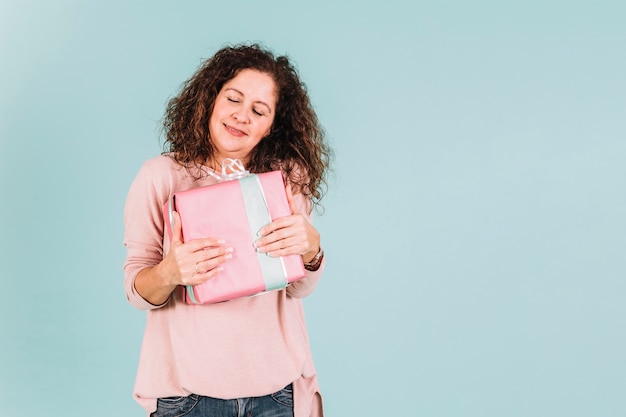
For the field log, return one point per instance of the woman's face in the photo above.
(242, 115)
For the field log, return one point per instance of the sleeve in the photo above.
(143, 223)
(306, 285)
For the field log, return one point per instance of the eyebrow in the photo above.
(257, 102)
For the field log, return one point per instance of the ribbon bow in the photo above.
(232, 169)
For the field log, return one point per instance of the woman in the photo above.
(249, 355)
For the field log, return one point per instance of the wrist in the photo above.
(309, 256)
(151, 286)
(314, 263)
(162, 275)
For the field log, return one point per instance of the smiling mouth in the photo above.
(234, 131)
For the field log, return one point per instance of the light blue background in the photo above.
(475, 224)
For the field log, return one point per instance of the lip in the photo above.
(233, 131)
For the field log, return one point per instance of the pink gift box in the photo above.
(235, 210)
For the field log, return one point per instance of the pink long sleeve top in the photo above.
(247, 347)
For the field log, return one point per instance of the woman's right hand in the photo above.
(193, 262)
(189, 263)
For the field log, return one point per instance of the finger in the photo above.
(300, 239)
(203, 244)
(199, 278)
(285, 248)
(277, 224)
(278, 231)
(205, 265)
(206, 256)
(208, 267)
(280, 239)
(177, 229)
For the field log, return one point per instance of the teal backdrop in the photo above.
(475, 224)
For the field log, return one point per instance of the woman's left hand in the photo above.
(290, 235)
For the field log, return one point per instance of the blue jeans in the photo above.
(278, 404)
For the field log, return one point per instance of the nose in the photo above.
(241, 115)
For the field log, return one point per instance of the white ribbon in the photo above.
(232, 169)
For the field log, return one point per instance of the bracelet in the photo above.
(315, 263)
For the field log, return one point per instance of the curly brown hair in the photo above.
(295, 144)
